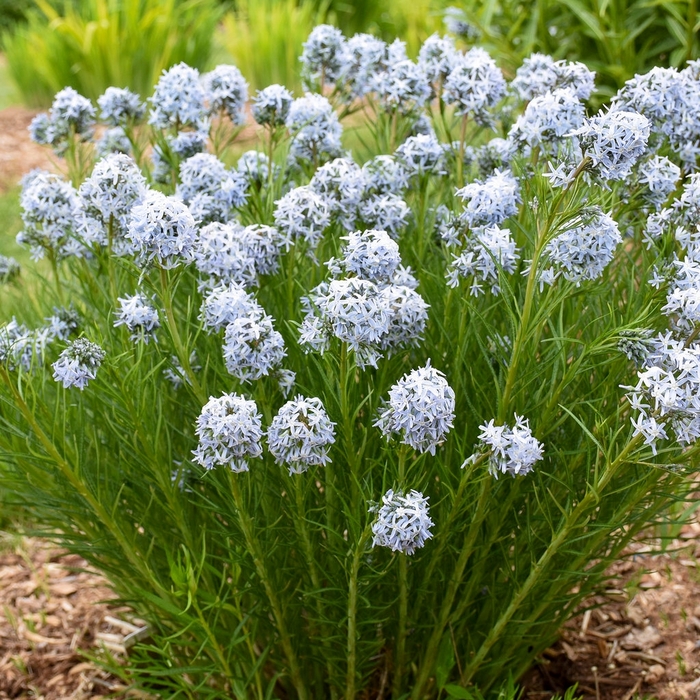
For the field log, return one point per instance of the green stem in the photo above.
(523, 328)
(462, 143)
(301, 523)
(591, 496)
(180, 350)
(218, 651)
(403, 593)
(253, 546)
(690, 28)
(426, 667)
(350, 679)
(345, 411)
(56, 276)
(692, 337)
(447, 527)
(291, 261)
(110, 261)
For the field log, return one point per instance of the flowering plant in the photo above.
(341, 424)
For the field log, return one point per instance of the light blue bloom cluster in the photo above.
(211, 191)
(375, 310)
(107, 197)
(302, 215)
(322, 58)
(613, 142)
(583, 251)
(513, 451)
(227, 92)
(162, 230)
(78, 363)
(139, 316)
(402, 524)
(230, 433)
(71, 115)
(179, 100)
(315, 129)
(474, 85)
(271, 105)
(666, 397)
(120, 107)
(50, 213)
(301, 434)
(540, 74)
(490, 202)
(486, 251)
(420, 408)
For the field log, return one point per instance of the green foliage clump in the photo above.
(92, 44)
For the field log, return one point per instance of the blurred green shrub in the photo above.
(264, 38)
(13, 12)
(93, 44)
(617, 38)
(411, 20)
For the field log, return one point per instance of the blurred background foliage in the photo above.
(91, 44)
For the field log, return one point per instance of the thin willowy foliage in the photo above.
(348, 425)
(94, 44)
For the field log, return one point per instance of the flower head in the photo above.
(371, 255)
(420, 407)
(70, 115)
(227, 92)
(323, 56)
(422, 154)
(50, 212)
(107, 197)
(540, 74)
(252, 347)
(364, 56)
(178, 100)
(303, 214)
(138, 315)
(486, 252)
(224, 304)
(613, 141)
(402, 523)
(492, 201)
(584, 251)
(120, 106)
(315, 128)
(437, 57)
(511, 451)
(301, 434)
(210, 189)
(78, 363)
(475, 84)
(162, 230)
(271, 105)
(229, 429)
(402, 87)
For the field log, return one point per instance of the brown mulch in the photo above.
(18, 153)
(52, 610)
(638, 639)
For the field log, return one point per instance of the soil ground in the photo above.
(18, 154)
